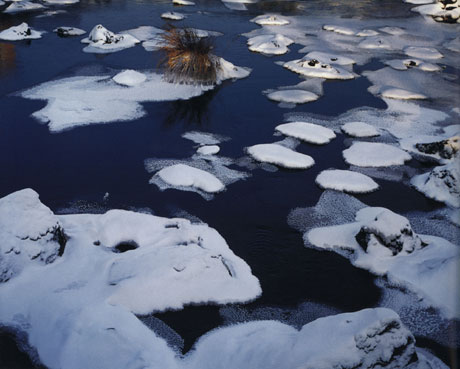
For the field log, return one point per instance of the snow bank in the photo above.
(346, 180)
(101, 40)
(308, 132)
(21, 32)
(293, 96)
(360, 129)
(270, 44)
(374, 154)
(130, 78)
(279, 155)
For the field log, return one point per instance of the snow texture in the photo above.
(308, 132)
(208, 150)
(173, 16)
(429, 53)
(69, 31)
(101, 40)
(270, 20)
(315, 68)
(21, 32)
(23, 6)
(270, 44)
(401, 94)
(293, 96)
(130, 78)
(374, 154)
(346, 180)
(360, 129)
(279, 155)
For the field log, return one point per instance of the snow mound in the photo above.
(270, 20)
(401, 94)
(181, 175)
(276, 44)
(183, 2)
(130, 78)
(395, 31)
(227, 70)
(173, 16)
(293, 96)
(101, 40)
(208, 150)
(441, 184)
(385, 244)
(69, 31)
(279, 155)
(375, 43)
(29, 233)
(423, 52)
(367, 33)
(21, 32)
(329, 58)
(308, 132)
(374, 154)
(339, 29)
(406, 64)
(360, 129)
(346, 180)
(314, 68)
(23, 6)
(144, 33)
(441, 150)
(441, 11)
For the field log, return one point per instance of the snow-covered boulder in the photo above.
(374, 154)
(315, 68)
(130, 78)
(292, 96)
(183, 2)
(329, 58)
(102, 40)
(270, 20)
(29, 233)
(360, 129)
(280, 155)
(446, 11)
(173, 16)
(21, 32)
(69, 31)
(444, 149)
(270, 44)
(308, 132)
(406, 64)
(441, 184)
(346, 180)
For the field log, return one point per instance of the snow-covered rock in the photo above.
(21, 32)
(385, 244)
(61, 2)
(401, 94)
(339, 29)
(130, 78)
(183, 2)
(374, 154)
(270, 20)
(346, 180)
(293, 96)
(144, 33)
(23, 6)
(208, 150)
(329, 58)
(314, 68)
(395, 31)
(367, 33)
(227, 70)
(181, 175)
(69, 31)
(270, 44)
(406, 64)
(280, 155)
(360, 129)
(441, 11)
(173, 16)
(308, 132)
(29, 233)
(423, 52)
(441, 184)
(101, 40)
(375, 43)
(443, 149)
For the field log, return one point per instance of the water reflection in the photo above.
(7, 57)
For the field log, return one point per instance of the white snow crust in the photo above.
(374, 154)
(279, 155)
(308, 132)
(346, 180)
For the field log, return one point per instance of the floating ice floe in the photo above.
(69, 31)
(308, 132)
(315, 68)
(181, 175)
(367, 33)
(130, 78)
(323, 57)
(23, 6)
(404, 64)
(144, 33)
(183, 2)
(173, 16)
(441, 184)
(401, 94)
(270, 20)
(375, 43)
(21, 32)
(208, 150)
(204, 138)
(293, 96)
(423, 52)
(346, 180)
(360, 129)
(339, 29)
(270, 44)
(101, 40)
(374, 154)
(280, 155)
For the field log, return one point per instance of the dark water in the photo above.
(79, 166)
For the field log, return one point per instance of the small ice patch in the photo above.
(374, 154)
(308, 132)
(405, 64)
(270, 20)
(204, 138)
(173, 16)
(423, 52)
(279, 155)
(339, 29)
(315, 68)
(360, 129)
(270, 44)
(367, 33)
(346, 180)
(130, 78)
(399, 93)
(69, 31)
(208, 150)
(101, 40)
(293, 96)
(21, 32)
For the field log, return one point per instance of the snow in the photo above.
(339, 29)
(406, 64)
(204, 138)
(270, 20)
(399, 93)
(208, 150)
(173, 16)
(441, 184)
(439, 149)
(270, 44)
(101, 40)
(453, 45)
(346, 180)
(130, 78)
(385, 244)
(279, 155)
(367, 33)
(293, 96)
(308, 132)
(440, 12)
(375, 43)
(374, 154)
(144, 33)
(183, 2)
(227, 70)
(23, 6)
(21, 32)
(395, 31)
(69, 31)
(360, 129)
(314, 68)
(418, 2)
(423, 52)
(61, 2)
(329, 58)
(181, 175)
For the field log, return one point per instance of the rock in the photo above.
(446, 149)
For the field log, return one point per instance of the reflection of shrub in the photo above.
(188, 57)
